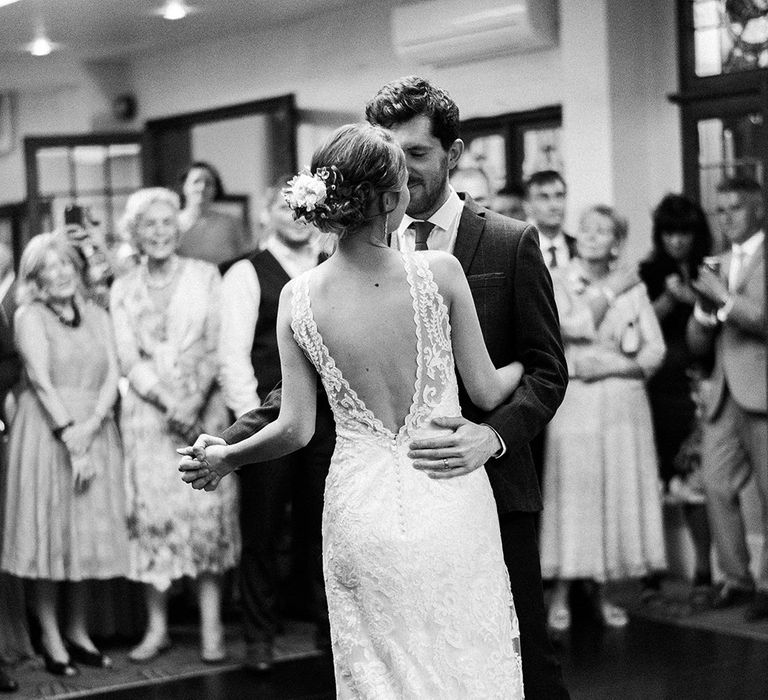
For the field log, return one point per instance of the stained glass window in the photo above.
(730, 36)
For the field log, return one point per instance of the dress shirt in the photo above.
(562, 254)
(239, 313)
(741, 254)
(443, 236)
(740, 257)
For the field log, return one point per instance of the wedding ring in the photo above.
(445, 462)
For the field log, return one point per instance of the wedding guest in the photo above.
(509, 201)
(14, 640)
(165, 315)
(545, 195)
(681, 239)
(207, 233)
(602, 511)
(474, 181)
(250, 369)
(65, 502)
(729, 319)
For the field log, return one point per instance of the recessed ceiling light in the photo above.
(41, 46)
(175, 9)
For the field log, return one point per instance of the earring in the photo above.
(386, 225)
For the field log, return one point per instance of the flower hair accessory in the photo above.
(309, 193)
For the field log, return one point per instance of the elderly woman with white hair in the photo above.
(165, 315)
(65, 507)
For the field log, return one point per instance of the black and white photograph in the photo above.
(383, 349)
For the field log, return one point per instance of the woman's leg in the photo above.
(559, 617)
(156, 637)
(44, 603)
(613, 615)
(212, 630)
(77, 617)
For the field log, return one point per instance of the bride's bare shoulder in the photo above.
(445, 267)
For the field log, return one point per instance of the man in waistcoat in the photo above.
(250, 369)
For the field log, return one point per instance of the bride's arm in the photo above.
(486, 385)
(292, 429)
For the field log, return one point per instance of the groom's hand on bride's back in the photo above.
(467, 448)
(194, 463)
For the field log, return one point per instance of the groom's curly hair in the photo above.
(412, 96)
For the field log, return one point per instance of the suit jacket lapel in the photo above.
(471, 227)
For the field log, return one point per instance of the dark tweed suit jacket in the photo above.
(515, 303)
(513, 295)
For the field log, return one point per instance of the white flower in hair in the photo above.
(306, 191)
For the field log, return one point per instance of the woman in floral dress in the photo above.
(165, 318)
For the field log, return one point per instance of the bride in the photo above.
(418, 595)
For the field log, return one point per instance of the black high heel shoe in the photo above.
(59, 668)
(88, 658)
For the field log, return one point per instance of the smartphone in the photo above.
(74, 215)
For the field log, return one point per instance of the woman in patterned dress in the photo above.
(165, 318)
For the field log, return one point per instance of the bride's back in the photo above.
(361, 301)
(367, 323)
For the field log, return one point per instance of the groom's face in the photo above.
(428, 164)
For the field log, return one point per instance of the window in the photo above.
(724, 93)
(97, 172)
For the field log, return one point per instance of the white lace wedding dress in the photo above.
(418, 594)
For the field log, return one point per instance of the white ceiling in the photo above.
(115, 28)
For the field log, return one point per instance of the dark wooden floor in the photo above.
(646, 660)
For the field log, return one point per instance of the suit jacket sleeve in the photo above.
(254, 420)
(538, 346)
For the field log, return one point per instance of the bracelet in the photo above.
(59, 431)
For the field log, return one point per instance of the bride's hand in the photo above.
(204, 464)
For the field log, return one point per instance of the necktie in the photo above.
(422, 229)
(552, 256)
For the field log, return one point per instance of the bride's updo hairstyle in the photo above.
(349, 172)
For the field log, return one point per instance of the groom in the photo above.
(515, 304)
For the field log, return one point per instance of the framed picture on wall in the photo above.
(508, 148)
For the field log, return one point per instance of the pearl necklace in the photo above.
(158, 281)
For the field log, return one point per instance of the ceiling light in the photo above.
(7, 2)
(41, 46)
(174, 9)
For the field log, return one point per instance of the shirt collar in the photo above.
(558, 241)
(750, 246)
(444, 217)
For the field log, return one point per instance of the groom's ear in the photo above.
(455, 151)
